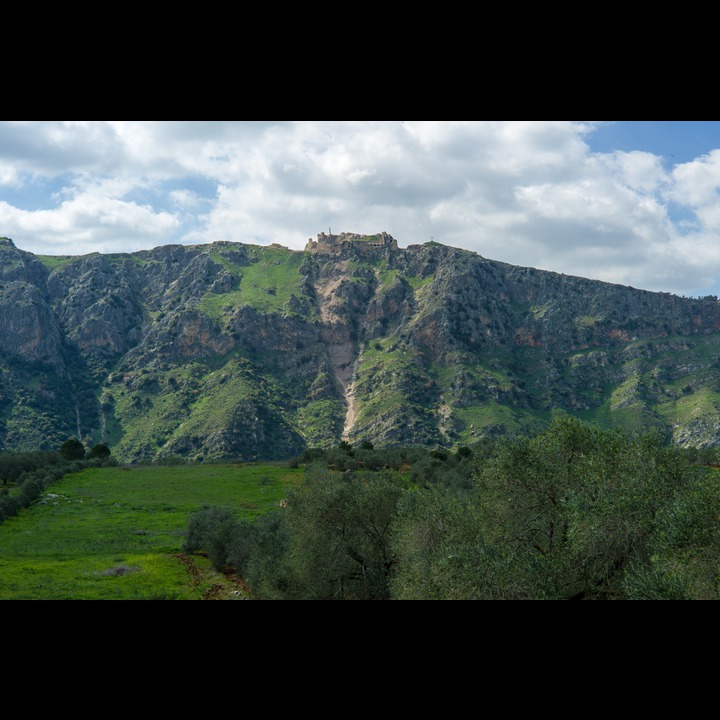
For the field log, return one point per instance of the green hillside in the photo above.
(232, 351)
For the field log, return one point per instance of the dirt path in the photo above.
(223, 586)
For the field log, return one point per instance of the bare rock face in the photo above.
(190, 335)
(18, 265)
(97, 305)
(28, 328)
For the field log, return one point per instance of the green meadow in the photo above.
(116, 533)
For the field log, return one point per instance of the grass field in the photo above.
(117, 533)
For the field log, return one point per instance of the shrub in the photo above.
(211, 529)
(31, 490)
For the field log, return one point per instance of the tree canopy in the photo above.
(72, 449)
(572, 513)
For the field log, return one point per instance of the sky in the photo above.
(629, 202)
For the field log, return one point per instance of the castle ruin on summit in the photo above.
(329, 244)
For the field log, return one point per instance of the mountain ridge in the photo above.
(230, 350)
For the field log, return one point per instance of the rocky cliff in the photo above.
(235, 351)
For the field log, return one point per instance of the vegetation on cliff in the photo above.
(231, 351)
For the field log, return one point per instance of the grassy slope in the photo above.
(100, 521)
(266, 283)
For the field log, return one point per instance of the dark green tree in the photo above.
(683, 554)
(346, 447)
(72, 449)
(442, 552)
(562, 515)
(339, 535)
(268, 565)
(576, 504)
(241, 546)
(99, 452)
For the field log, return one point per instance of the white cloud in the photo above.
(93, 220)
(8, 175)
(696, 183)
(186, 199)
(523, 192)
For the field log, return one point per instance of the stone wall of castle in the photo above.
(330, 244)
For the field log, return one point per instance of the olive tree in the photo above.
(561, 515)
(340, 535)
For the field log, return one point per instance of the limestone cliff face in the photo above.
(97, 306)
(234, 351)
(28, 330)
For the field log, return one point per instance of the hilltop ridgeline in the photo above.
(238, 351)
